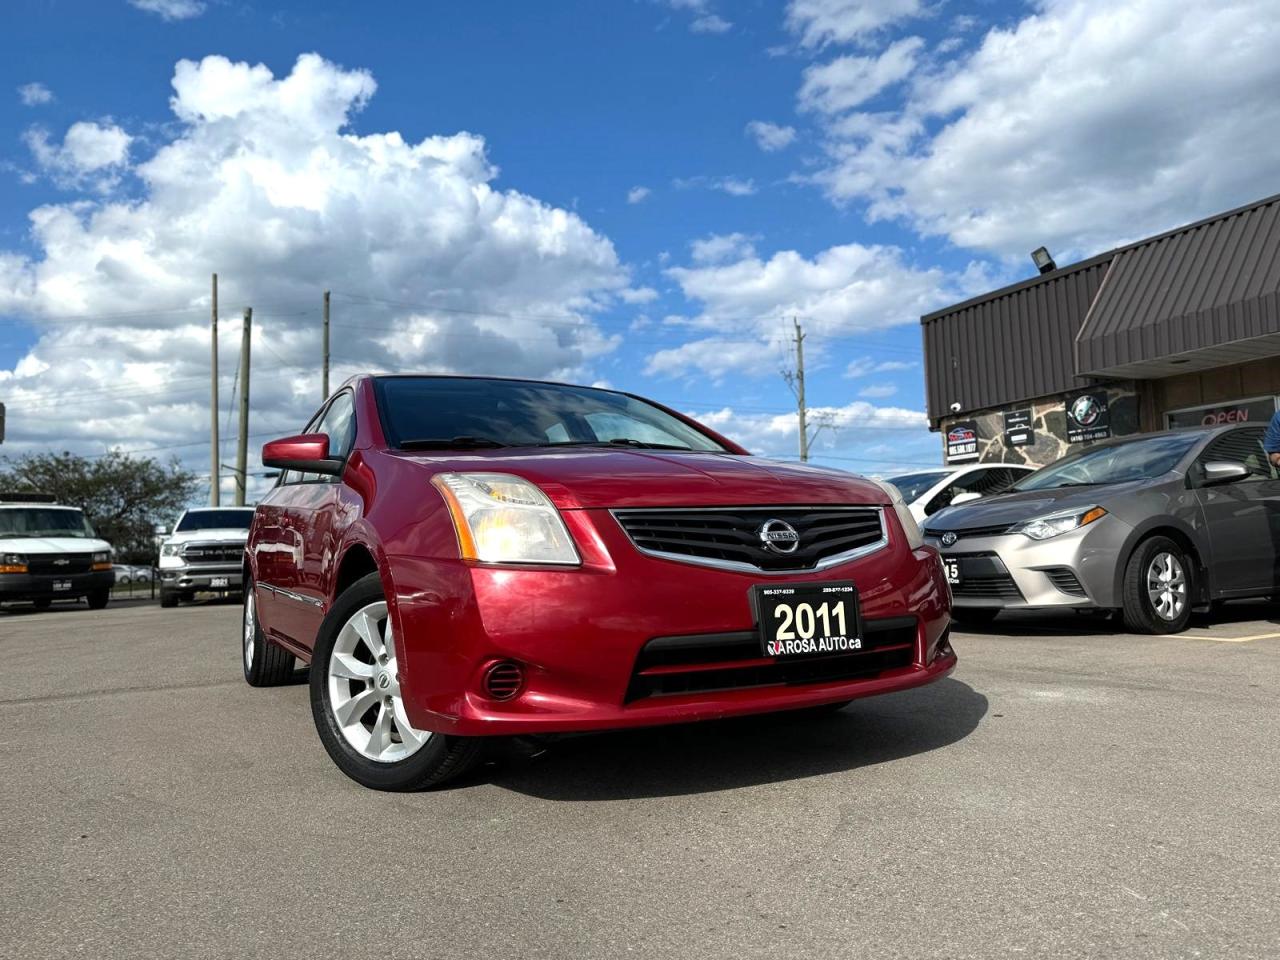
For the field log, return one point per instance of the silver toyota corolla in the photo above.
(1152, 525)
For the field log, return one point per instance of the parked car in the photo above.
(204, 554)
(929, 491)
(50, 552)
(461, 558)
(1153, 526)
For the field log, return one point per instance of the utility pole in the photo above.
(798, 387)
(324, 383)
(215, 479)
(242, 443)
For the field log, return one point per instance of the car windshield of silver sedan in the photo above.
(1117, 463)
(44, 522)
(466, 413)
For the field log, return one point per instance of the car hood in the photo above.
(575, 479)
(1009, 508)
(226, 535)
(38, 545)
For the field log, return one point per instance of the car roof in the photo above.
(14, 504)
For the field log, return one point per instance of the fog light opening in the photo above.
(502, 680)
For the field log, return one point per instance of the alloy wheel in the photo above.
(364, 689)
(1167, 586)
(250, 627)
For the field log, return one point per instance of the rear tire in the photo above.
(358, 708)
(1157, 588)
(265, 664)
(98, 599)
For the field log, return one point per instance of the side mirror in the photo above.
(967, 497)
(1221, 471)
(308, 452)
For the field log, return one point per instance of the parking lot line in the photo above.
(1200, 636)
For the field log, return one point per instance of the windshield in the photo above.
(1135, 460)
(462, 413)
(44, 522)
(912, 485)
(215, 520)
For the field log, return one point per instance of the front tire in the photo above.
(98, 599)
(265, 664)
(44, 603)
(1157, 588)
(358, 707)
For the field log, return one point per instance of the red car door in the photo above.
(312, 524)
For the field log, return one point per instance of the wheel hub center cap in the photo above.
(384, 681)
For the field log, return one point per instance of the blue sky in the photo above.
(917, 152)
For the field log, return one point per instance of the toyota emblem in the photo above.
(778, 536)
(949, 538)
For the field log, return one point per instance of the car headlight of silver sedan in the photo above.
(1056, 524)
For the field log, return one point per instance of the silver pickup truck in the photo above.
(204, 554)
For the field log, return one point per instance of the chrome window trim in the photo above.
(735, 566)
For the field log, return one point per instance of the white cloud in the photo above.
(734, 186)
(34, 94)
(171, 9)
(432, 266)
(863, 366)
(856, 436)
(820, 22)
(722, 246)
(846, 82)
(843, 290)
(638, 194)
(771, 137)
(711, 23)
(89, 152)
(878, 391)
(1080, 126)
(636, 295)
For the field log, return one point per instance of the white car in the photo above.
(929, 491)
(50, 552)
(205, 553)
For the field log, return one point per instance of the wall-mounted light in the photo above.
(1043, 261)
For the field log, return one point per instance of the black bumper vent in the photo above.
(731, 535)
(1065, 580)
(704, 663)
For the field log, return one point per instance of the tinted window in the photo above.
(1114, 463)
(43, 522)
(522, 413)
(912, 485)
(1243, 447)
(215, 520)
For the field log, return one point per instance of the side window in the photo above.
(297, 476)
(340, 424)
(1243, 447)
(985, 483)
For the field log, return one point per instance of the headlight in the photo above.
(13, 563)
(170, 550)
(905, 517)
(1043, 528)
(500, 518)
(102, 560)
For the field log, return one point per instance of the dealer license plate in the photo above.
(808, 619)
(952, 566)
(216, 582)
(60, 585)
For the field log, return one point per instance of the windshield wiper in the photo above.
(456, 443)
(615, 442)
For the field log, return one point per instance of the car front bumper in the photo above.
(1013, 572)
(27, 586)
(580, 636)
(201, 579)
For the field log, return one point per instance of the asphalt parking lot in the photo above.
(1068, 793)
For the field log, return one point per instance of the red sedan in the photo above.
(461, 557)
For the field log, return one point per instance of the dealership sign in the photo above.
(1259, 410)
(962, 441)
(1088, 417)
(1017, 428)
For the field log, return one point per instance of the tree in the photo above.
(124, 497)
